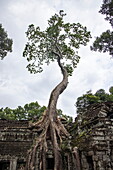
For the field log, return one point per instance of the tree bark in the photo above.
(58, 89)
(50, 124)
(53, 116)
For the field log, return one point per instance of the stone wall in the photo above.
(94, 137)
(15, 141)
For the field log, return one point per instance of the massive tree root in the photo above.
(49, 127)
(54, 131)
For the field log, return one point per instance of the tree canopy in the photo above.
(59, 39)
(5, 43)
(89, 98)
(107, 9)
(104, 43)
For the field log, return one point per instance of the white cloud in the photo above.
(18, 86)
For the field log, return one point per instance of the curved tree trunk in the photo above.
(57, 90)
(50, 125)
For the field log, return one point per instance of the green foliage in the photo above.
(111, 90)
(5, 43)
(103, 96)
(85, 100)
(69, 69)
(104, 43)
(59, 39)
(89, 98)
(107, 9)
(30, 111)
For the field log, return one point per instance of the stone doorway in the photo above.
(4, 165)
(50, 163)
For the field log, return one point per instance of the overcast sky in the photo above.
(18, 86)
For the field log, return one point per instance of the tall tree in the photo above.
(59, 42)
(5, 43)
(104, 43)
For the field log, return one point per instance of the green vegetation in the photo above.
(5, 43)
(32, 111)
(89, 98)
(58, 41)
(104, 43)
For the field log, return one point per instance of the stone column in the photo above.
(13, 164)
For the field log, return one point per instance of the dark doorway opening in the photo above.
(90, 162)
(50, 163)
(20, 165)
(4, 165)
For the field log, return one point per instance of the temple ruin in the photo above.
(90, 146)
